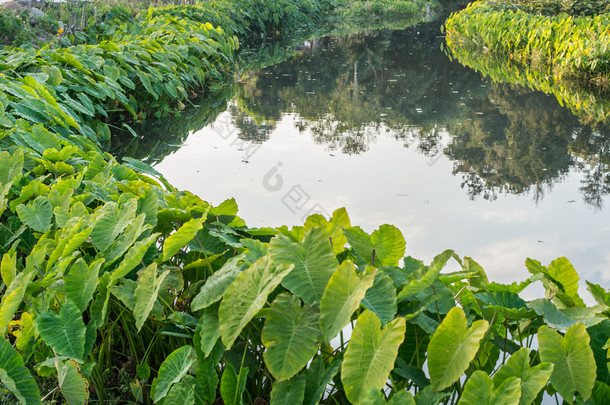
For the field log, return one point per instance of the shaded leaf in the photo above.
(173, 368)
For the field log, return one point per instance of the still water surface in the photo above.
(386, 125)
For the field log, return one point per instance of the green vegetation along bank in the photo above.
(118, 288)
(561, 48)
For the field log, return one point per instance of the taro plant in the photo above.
(116, 287)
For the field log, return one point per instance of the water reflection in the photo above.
(348, 91)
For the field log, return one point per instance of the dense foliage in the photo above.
(118, 287)
(562, 46)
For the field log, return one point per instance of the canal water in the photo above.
(385, 124)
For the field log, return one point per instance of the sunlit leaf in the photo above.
(16, 377)
(314, 263)
(344, 292)
(572, 358)
(479, 390)
(173, 368)
(247, 295)
(452, 348)
(370, 355)
(291, 336)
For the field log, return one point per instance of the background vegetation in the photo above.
(118, 287)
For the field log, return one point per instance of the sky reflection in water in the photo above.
(387, 126)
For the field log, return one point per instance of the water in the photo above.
(384, 124)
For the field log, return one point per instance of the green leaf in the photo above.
(232, 386)
(342, 296)
(318, 377)
(507, 303)
(140, 166)
(291, 335)
(74, 387)
(173, 368)
(16, 377)
(38, 214)
(113, 219)
(12, 297)
(370, 355)
(209, 329)
(333, 229)
(533, 379)
(182, 236)
(65, 333)
(247, 295)
(314, 262)
(479, 390)
(81, 282)
(146, 293)
(572, 357)
(424, 277)
(288, 392)
(402, 398)
(381, 298)
(132, 258)
(452, 348)
(562, 271)
(600, 294)
(207, 377)
(217, 284)
(386, 244)
(11, 165)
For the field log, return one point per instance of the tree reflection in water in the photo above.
(502, 138)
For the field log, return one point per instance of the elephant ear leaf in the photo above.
(573, 360)
(173, 368)
(533, 379)
(370, 355)
(314, 263)
(146, 293)
(16, 377)
(64, 332)
(182, 236)
(384, 247)
(291, 335)
(479, 390)
(452, 348)
(247, 295)
(73, 386)
(38, 214)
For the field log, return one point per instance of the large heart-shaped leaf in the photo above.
(146, 293)
(572, 358)
(533, 379)
(291, 335)
(424, 276)
(12, 298)
(182, 236)
(479, 390)
(333, 228)
(16, 377)
(452, 348)
(343, 294)
(247, 295)
(173, 368)
(381, 298)
(38, 214)
(113, 219)
(314, 263)
(288, 392)
(217, 284)
(370, 355)
(73, 386)
(81, 282)
(64, 332)
(384, 247)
